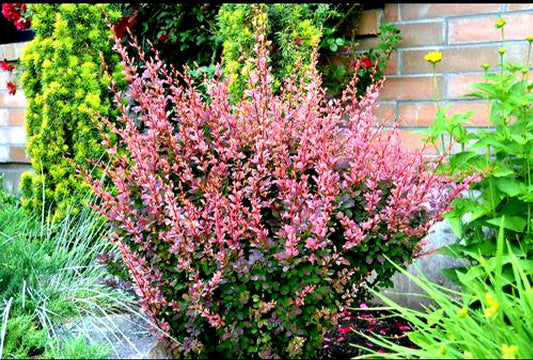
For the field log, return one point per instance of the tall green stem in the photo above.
(437, 98)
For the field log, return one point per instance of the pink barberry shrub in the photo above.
(249, 227)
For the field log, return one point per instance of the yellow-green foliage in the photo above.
(65, 84)
(292, 28)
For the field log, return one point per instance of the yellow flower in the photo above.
(509, 351)
(485, 66)
(501, 51)
(443, 350)
(493, 306)
(462, 313)
(529, 38)
(500, 23)
(433, 57)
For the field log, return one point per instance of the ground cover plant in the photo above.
(49, 274)
(249, 227)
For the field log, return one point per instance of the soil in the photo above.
(339, 342)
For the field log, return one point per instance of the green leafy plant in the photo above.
(370, 65)
(491, 318)
(183, 34)
(65, 84)
(502, 154)
(295, 30)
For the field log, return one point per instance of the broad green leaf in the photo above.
(457, 226)
(501, 171)
(518, 138)
(514, 223)
(509, 185)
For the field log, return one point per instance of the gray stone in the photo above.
(10, 174)
(407, 293)
(128, 335)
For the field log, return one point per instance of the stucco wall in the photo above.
(13, 159)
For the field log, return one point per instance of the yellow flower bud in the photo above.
(433, 57)
(492, 306)
(509, 351)
(529, 38)
(500, 23)
(501, 51)
(462, 313)
(443, 350)
(485, 66)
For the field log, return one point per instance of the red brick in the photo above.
(457, 86)
(424, 11)
(412, 141)
(422, 34)
(386, 111)
(17, 154)
(17, 100)
(423, 114)
(480, 29)
(392, 65)
(409, 88)
(518, 7)
(459, 59)
(390, 12)
(368, 23)
(11, 117)
(367, 43)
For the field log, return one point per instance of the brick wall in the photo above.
(13, 159)
(466, 36)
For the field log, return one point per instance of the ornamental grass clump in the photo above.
(249, 227)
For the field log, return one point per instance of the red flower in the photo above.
(11, 87)
(404, 328)
(162, 38)
(5, 66)
(298, 41)
(366, 62)
(122, 26)
(12, 12)
(345, 330)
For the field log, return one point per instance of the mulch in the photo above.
(339, 342)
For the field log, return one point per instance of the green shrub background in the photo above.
(295, 30)
(65, 83)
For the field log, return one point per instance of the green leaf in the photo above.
(457, 226)
(514, 223)
(509, 185)
(518, 138)
(502, 171)
(340, 41)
